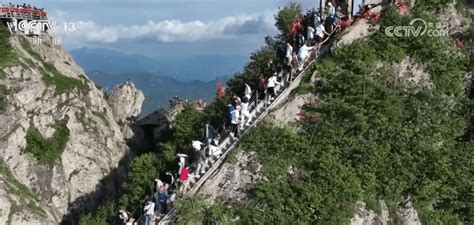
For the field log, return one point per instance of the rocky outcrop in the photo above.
(234, 179)
(126, 102)
(360, 29)
(453, 21)
(289, 112)
(365, 216)
(52, 105)
(407, 213)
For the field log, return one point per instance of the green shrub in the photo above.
(3, 93)
(104, 215)
(284, 18)
(139, 186)
(189, 126)
(47, 151)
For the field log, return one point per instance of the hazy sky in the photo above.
(166, 28)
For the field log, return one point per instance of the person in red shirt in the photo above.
(295, 26)
(184, 179)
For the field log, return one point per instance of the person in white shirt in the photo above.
(246, 117)
(126, 217)
(149, 212)
(303, 55)
(201, 158)
(331, 11)
(272, 82)
(310, 34)
(248, 91)
(289, 54)
(320, 32)
(234, 122)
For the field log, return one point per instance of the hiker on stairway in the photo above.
(237, 100)
(246, 117)
(201, 157)
(288, 58)
(235, 117)
(303, 55)
(248, 91)
(310, 34)
(272, 82)
(331, 11)
(262, 87)
(295, 26)
(159, 184)
(301, 40)
(320, 33)
(183, 179)
(161, 201)
(228, 118)
(183, 160)
(149, 212)
(337, 18)
(316, 19)
(126, 217)
(211, 134)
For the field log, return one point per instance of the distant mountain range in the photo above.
(158, 90)
(204, 68)
(159, 80)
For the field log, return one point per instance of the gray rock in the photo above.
(126, 101)
(94, 149)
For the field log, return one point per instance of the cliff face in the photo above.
(58, 136)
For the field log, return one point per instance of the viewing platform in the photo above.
(22, 13)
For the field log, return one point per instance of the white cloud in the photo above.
(169, 30)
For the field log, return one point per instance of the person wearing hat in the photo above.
(271, 85)
(183, 160)
(337, 17)
(331, 10)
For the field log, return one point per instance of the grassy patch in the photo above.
(3, 93)
(51, 76)
(47, 151)
(232, 157)
(304, 88)
(7, 56)
(20, 190)
(61, 82)
(16, 186)
(30, 62)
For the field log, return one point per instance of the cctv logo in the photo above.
(33, 26)
(416, 31)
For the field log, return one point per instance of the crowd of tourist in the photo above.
(299, 50)
(26, 8)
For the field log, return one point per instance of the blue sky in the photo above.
(166, 28)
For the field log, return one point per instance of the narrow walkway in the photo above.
(259, 111)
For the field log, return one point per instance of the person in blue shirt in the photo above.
(161, 201)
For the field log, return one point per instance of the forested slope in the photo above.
(378, 135)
